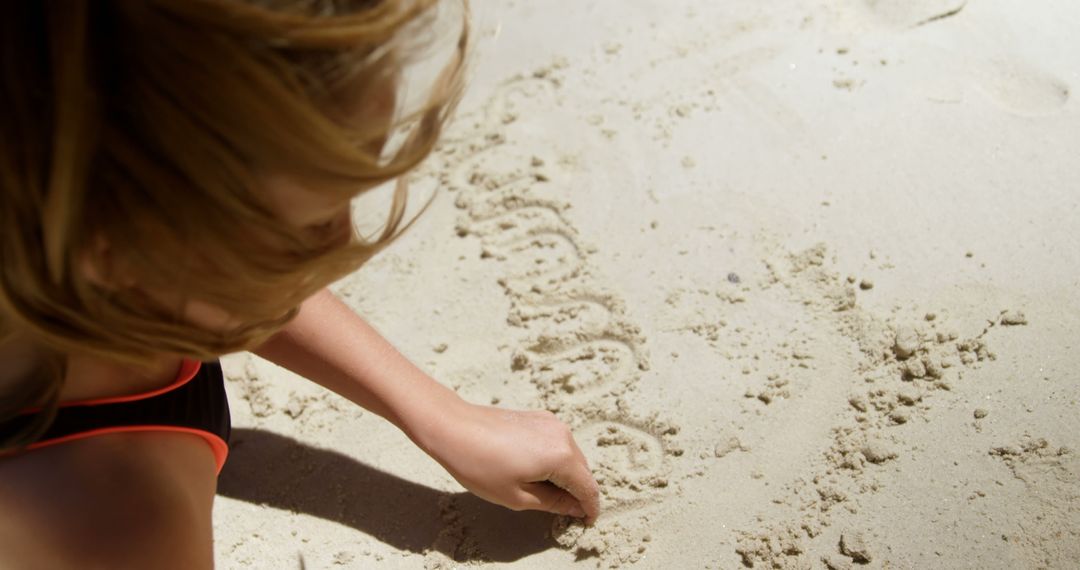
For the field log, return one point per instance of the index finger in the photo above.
(575, 477)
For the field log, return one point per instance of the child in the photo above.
(176, 178)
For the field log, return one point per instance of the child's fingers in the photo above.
(576, 478)
(544, 496)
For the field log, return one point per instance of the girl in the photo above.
(176, 178)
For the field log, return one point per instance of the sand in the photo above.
(800, 275)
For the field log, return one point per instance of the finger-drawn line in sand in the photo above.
(632, 463)
(546, 258)
(581, 352)
(501, 108)
(521, 222)
(581, 372)
(474, 172)
(580, 312)
(633, 460)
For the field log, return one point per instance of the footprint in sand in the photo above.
(1022, 89)
(1016, 86)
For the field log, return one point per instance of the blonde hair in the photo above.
(142, 125)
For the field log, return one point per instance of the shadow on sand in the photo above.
(270, 469)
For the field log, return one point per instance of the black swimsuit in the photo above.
(194, 403)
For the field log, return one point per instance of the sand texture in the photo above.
(801, 276)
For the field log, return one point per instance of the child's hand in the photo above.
(521, 460)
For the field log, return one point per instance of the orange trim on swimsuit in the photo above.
(217, 445)
(188, 370)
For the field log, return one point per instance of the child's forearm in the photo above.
(331, 345)
(519, 459)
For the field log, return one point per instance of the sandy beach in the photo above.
(802, 277)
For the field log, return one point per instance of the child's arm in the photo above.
(507, 457)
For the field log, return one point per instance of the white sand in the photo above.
(757, 254)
